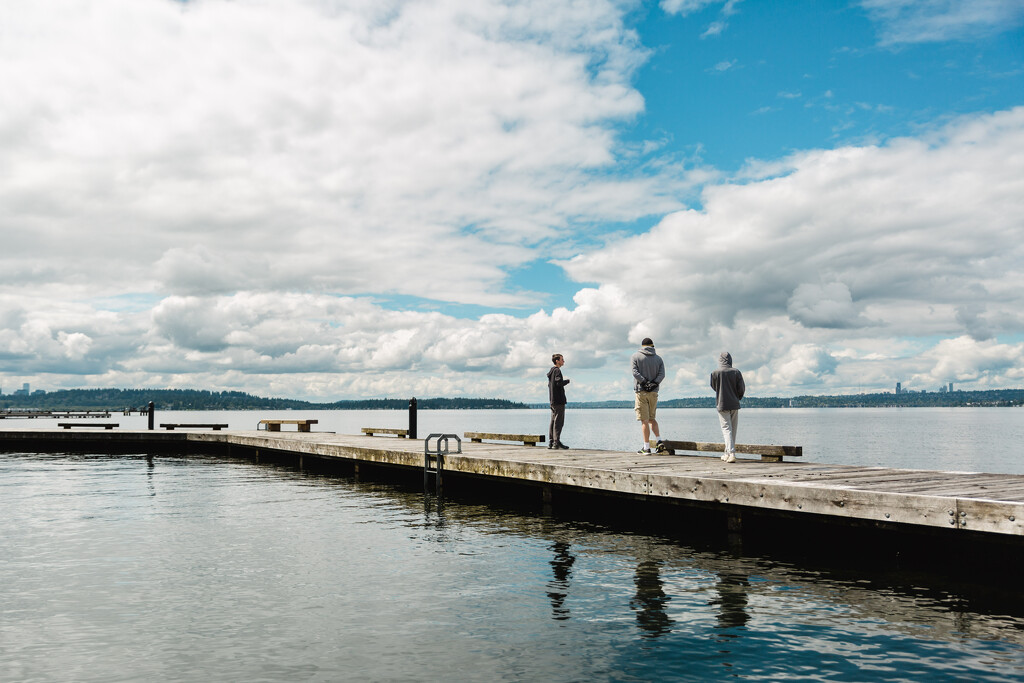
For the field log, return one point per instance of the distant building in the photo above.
(24, 391)
(899, 388)
(951, 387)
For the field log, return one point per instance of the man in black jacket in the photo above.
(556, 396)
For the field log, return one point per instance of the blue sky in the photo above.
(333, 199)
(786, 76)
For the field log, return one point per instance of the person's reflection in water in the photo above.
(558, 588)
(650, 600)
(731, 601)
(149, 474)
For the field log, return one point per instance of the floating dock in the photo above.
(947, 502)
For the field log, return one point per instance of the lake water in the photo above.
(173, 568)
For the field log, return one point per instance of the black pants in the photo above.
(557, 420)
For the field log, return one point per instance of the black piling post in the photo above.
(152, 414)
(412, 417)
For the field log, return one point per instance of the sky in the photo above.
(341, 199)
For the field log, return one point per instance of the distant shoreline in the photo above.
(952, 399)
(191, 399)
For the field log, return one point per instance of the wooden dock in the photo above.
(66, 414)
(950, 502)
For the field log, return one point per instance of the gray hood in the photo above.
(725, 360)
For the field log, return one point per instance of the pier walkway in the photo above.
(991, 504)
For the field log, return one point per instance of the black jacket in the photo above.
(556, 387)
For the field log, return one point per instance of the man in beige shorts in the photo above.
(648, 372)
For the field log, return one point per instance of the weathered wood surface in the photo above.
(275, 425)
(527, 439)
(370, 431)
(985, 502)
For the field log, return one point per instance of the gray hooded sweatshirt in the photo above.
(647, 365)
(727, 382)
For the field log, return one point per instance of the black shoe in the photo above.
(551, 445)
(562, 445)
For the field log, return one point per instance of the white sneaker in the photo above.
(725, 456)
(644, 451)
(731, 458)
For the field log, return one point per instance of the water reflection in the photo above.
(731, 602)
(150, 467)
(558, 587)
(650, 600)
(433, 511)
(269, 556)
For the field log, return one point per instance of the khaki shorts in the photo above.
(646, 405)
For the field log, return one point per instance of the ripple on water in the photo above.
(118, 568)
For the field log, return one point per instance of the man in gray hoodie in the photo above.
(648, 372)
(727, 382)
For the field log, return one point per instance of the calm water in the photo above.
(204, 569)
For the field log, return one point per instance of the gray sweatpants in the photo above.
(729, 419)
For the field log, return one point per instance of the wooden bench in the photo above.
(527, 439)
(105, 425)
(275, 425)
(767, 453)
(214, 427)
(370, 431)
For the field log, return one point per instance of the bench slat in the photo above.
(768, 453)
(105, 425)
(528, 439)
(275, 425)
(172, 426)
(370, 431)
(740, 448)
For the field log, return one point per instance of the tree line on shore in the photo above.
(194, 399)
(953, 399)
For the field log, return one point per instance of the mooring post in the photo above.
(152, 411)
(412, 417)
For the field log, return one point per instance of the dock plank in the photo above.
(938, 500)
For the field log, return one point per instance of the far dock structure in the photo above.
(63, 414)
(955, 517)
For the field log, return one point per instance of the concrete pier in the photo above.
(947, 503)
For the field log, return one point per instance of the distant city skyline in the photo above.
(351, 200)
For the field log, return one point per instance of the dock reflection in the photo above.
(672, 578)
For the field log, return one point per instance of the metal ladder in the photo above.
(433, 461)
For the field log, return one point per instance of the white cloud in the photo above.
(918, 238)
(803, 364)
(919, 21)
(829, 305)
(813, 271)
(967, 360)
(686, 7)
(223, 195)
(210, 147)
